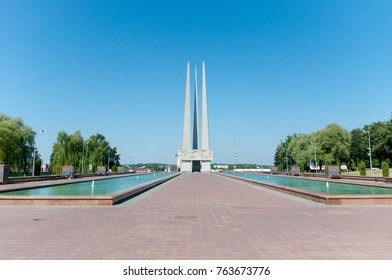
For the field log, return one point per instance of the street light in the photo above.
(84, 143)
(108, 159)
(370, 153)
(35, 149)
(287, 162)
(315, 158)
(165, 163)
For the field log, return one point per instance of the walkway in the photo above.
(198, 216)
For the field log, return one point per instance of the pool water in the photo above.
(316, 186)
(100, 187)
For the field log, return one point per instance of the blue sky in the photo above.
(118, 68)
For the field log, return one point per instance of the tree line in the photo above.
(85, 155)
(336, 145)
(17, 149)
(16, 143)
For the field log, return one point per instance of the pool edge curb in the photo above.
(99, 200)
(321, 198)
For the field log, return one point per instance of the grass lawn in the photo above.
(376, 173)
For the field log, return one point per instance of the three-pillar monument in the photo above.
(193, 157)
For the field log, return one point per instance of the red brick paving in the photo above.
(198, 216)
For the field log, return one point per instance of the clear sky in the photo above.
(274, 68)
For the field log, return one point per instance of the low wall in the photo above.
(68, 171)
(333, 171)
(101, 170)
(295, 170)
(4, 172)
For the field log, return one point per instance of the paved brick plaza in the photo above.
(198, 216)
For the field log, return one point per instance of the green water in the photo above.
(316, 186)
(101, 187)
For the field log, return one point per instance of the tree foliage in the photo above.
(283, 158)
(99, 152)
(358, 146)
(67, 150)
(362, 168)
(380, 143)
(16, 143)
(381, 140)
(300, 150)
(335, 145)
(328, 146)
(74, 150)
(385, 169)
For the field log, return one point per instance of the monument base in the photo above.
(185, 166)
(195, 166)
(206, 166)
(195, 160)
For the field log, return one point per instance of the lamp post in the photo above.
(32, 173)
(287, 162)
(261, 162)
(130, 162)
(108, 159)
(370, 153)
(315, 158)
(165, 164)
(34, 150)
(84, 143)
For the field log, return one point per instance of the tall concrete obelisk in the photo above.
(196, 117)
(186, 144)
(205, 142)
(191, 159)
(204, 124)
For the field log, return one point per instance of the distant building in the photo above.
(252, 170)
(220, 166)
(144, 170)
(314, 167)
(45, 168)
(171, 168)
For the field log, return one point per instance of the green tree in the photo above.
(16, 143)
(37, 165)
(362, 168)
(385, 169)
(333, 144)
(114, 158)
(301, 150)
(97, 151)
(358, 147)
(282, 154)
(67, 151)
(381, 141)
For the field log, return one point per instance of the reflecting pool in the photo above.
(331, 188)
(90, 188)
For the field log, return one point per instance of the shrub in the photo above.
(37, 167)
(362, 168)
(353, 165)
(385, 169)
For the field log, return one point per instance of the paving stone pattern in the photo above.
(198, 216)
